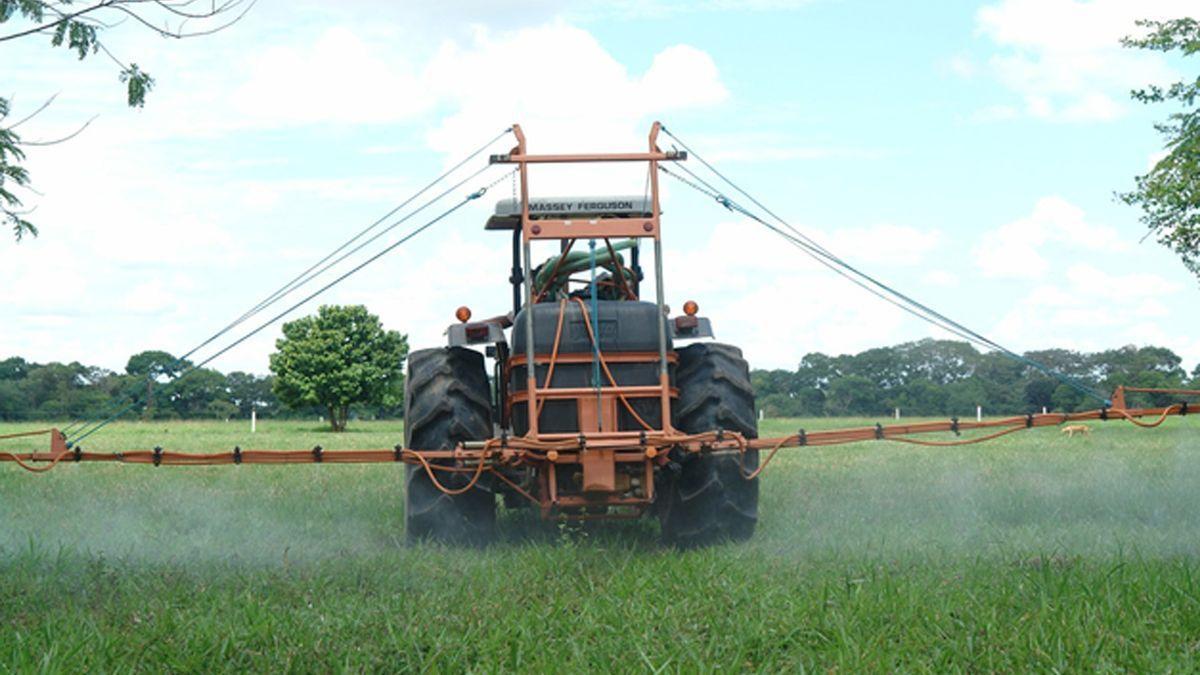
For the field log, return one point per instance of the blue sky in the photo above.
(966, 152)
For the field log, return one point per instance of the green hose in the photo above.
(579, 261)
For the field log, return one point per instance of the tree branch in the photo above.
(62, 17)
(73, 134)
(33, 114)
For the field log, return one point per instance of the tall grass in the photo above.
(1033, 552)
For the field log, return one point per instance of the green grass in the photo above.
(1032, 552)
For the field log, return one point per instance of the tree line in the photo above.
(925, 378)
(947, 377)
(57, 391)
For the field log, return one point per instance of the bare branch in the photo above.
(35, 113)
(179, 33)
(64, 139)
(224, 7)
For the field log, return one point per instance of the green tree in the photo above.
(149, 368)
(1068, 399)
(921, 397)
(14, 402)
(251, 392)
(1169, 195)
(340, 357)
(79, 26)
(194, 395)
(14, 368)
(854, 395)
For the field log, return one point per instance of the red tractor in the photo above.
(592, 380)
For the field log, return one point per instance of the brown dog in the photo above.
(1071, 429)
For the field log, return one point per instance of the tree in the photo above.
(14, 368)
(1169, 195)
(251, 392)
(155, 364)
(151, 367)
(194, 395)
(78, 26)
(854, 395)
(340, 357)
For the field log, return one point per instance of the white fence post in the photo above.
(978, 413)
(253, 420)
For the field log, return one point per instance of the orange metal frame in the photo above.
(602, 445)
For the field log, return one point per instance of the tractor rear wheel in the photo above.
(447, 400)
(707, 500)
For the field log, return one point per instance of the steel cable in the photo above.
(80, 435)
(308, 274)
(885, 292)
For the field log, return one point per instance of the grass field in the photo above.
(1032, 552)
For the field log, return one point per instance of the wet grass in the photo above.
(1033, 552)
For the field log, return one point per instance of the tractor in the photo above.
(583, 360)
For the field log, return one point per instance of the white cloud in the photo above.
(961, 66)
(1090, 309)
(883, 244)
(338, 78)
(941, 278)
(1063, 58)
(149, 298)
(772, 146)
(1015, 250)
(777, 304)
(582, 98)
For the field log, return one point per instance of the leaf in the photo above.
(139, 83)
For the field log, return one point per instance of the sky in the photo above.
(966, 153)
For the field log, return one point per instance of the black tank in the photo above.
(624, 326)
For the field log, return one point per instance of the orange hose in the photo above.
(437, 484)
(31, 467)
(965, 441)
(562, 307)
(604, 364)
(24, 434)
(1149, 425)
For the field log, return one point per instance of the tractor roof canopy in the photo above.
(508, 211)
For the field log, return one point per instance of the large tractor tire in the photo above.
(707, 501)
(447, 401)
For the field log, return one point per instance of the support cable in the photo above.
(80, 435)
(881, 290)
(308, 274)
